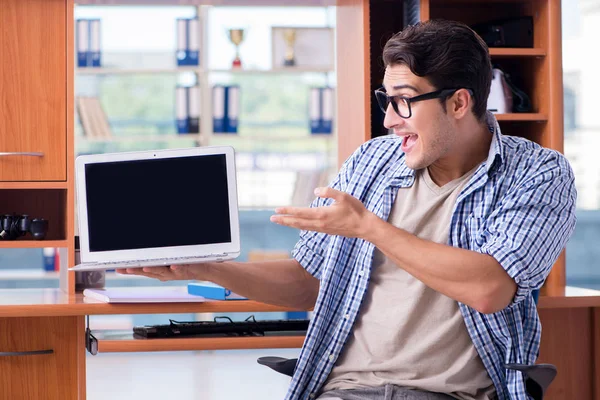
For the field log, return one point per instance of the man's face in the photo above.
(428, 134)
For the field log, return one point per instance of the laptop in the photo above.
(156, 208)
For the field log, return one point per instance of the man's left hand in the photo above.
(347, 216)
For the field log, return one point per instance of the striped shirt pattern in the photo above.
(519, 207)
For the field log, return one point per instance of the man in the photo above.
(421, 256)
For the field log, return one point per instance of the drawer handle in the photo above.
(22, 153)
(25, 353)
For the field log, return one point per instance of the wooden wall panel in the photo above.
(567, 342)
(353, 76)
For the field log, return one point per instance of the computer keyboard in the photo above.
(209, 328)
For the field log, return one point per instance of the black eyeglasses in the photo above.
(402, 104)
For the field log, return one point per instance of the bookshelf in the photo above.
(213, 70)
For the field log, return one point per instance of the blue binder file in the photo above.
(314, 110)
(232, 96)
(181, 109)
(182, 46)
(193, 42)
(327, 107)
(94, 54)
(82, 27)
(218, 105)
(194, 105)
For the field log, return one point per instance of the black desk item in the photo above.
(510, 32)
(215, 328)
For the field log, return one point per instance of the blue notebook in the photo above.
(212, 291)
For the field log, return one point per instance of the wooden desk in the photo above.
(52, 302)
(52, 322)
(33, 319)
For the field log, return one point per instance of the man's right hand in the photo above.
(170, 273)
(278, 282)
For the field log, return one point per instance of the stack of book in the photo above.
(92, 117)
(89, 53)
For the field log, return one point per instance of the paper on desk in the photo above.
(150, 294)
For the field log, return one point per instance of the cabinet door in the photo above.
(33, 94)
(38, 358)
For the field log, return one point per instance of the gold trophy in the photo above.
(289, 36)
(236, 36)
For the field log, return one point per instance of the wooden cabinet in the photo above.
(33, 90)
(38, 358)
(36, 121)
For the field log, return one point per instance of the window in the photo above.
(273, 142)
(581, 28)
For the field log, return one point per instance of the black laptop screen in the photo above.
(157, 203)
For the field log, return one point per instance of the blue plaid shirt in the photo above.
(519, 207)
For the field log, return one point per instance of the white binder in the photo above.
(193, 36)
(233, 108)
(181, 50)
(194, 104)
(327, 108)
(181, 109)
(314, 109)
(94, 58)
(218, 109)
(82, 42)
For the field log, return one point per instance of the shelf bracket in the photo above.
(91, 343)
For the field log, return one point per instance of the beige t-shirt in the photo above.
(407, 334)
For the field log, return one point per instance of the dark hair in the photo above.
(448, 54)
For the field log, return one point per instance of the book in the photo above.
(143, 294)
(218, 106)
(194, 109)
(212, 291)
(94, 48)
(232, 94)
(181, 109)
(82, 42)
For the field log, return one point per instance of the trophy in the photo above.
(236, 36)
(289, 36)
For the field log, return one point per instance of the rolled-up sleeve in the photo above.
(310, 250)
(533, 225)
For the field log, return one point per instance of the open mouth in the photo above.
(408, 142)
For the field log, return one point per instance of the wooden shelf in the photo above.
(27, 274)
(131, 71)
(517, 52)
(293, 3)
(124, 341)
(198, 70)
(278, 70)
(34, 185)
(141, 138)
(522, 117)
(32, 244)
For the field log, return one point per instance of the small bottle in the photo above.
(49, 258)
